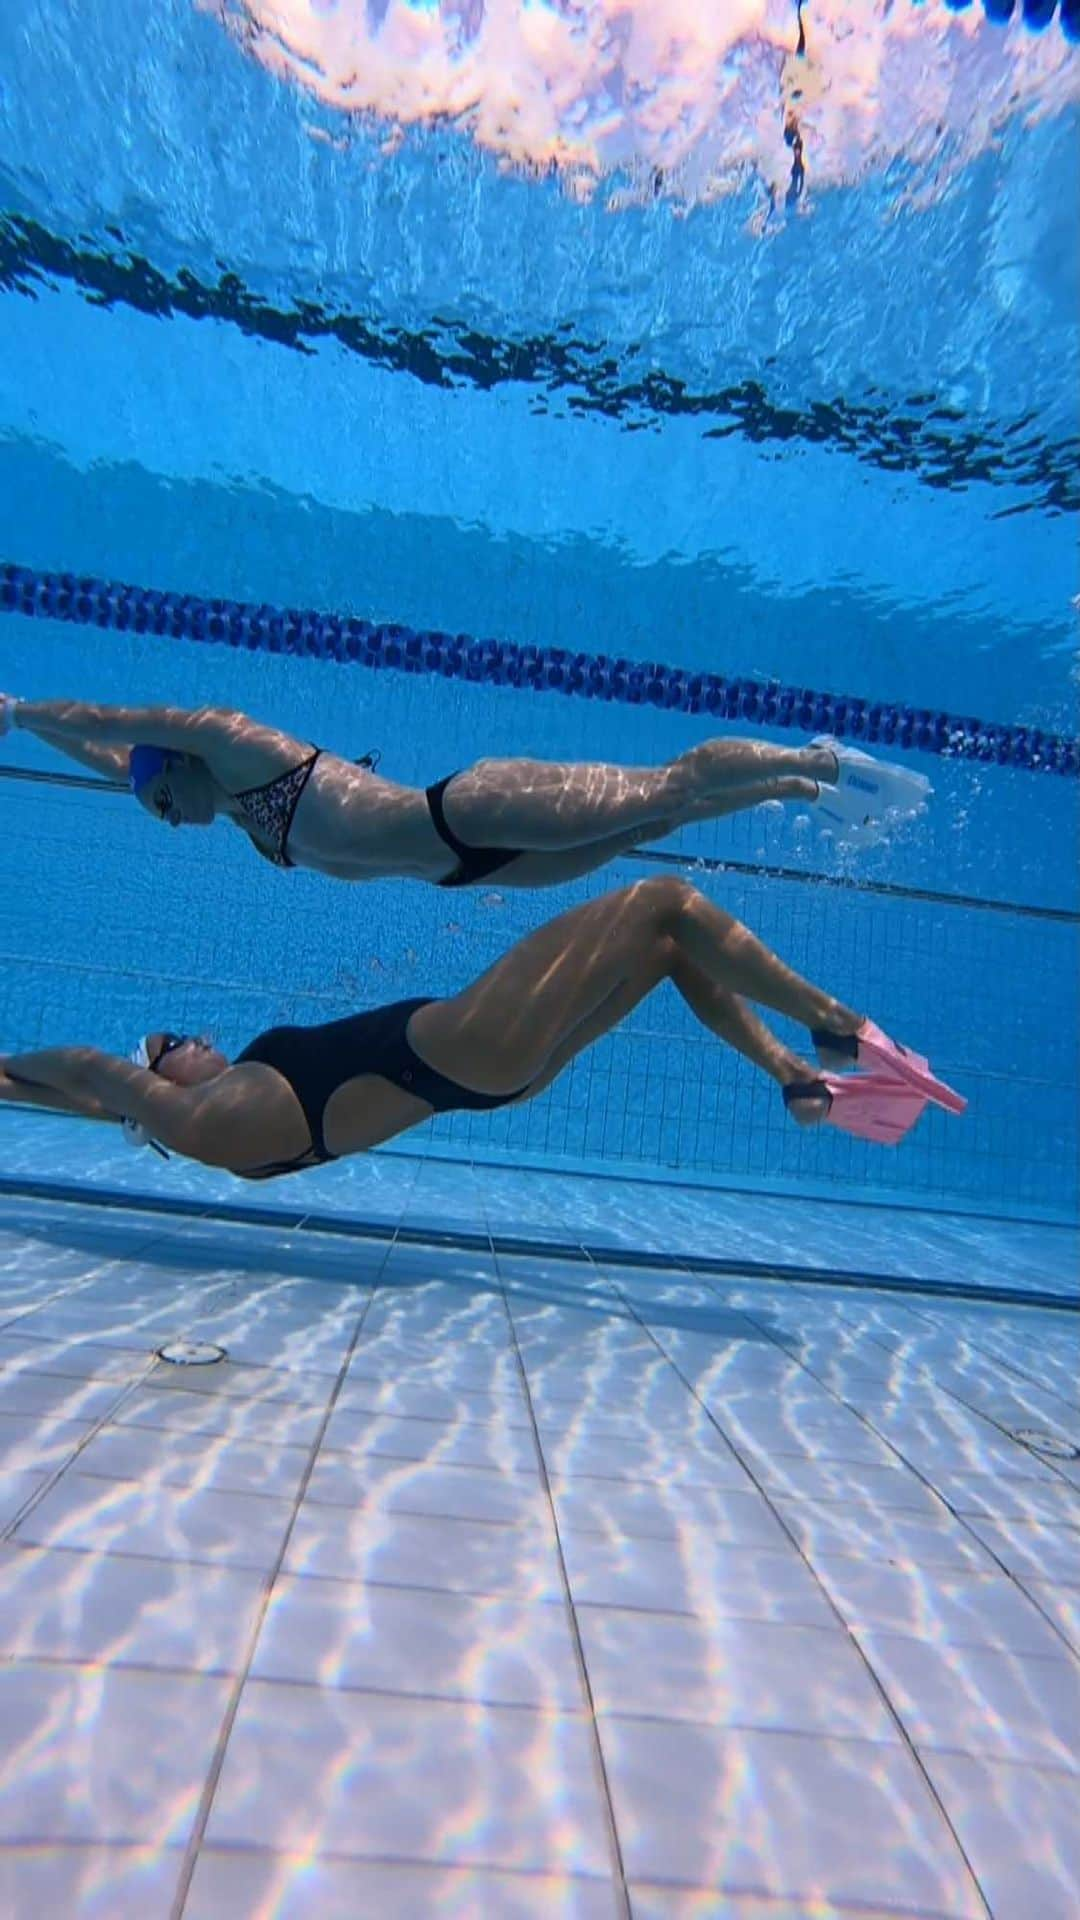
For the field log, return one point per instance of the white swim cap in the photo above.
(133, 1130)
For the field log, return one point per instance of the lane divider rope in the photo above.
(105, 604)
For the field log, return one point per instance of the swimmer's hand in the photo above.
(8, 704)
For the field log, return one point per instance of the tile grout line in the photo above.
(950, 1392)
(919, 1308)
(622, 1888)
(217, 1762)
(32, 1501)
(907, 1741)
(125, 1393)
(963, 1520)
(911, 1467)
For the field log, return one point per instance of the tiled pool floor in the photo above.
(481, 1585)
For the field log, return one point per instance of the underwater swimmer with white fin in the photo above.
(537, 823)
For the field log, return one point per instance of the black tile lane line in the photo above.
(706, 863)
(921, 434)
(339, 1226)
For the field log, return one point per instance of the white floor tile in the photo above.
(292, 1346)
(704, 1903)
(280, 1421)
(764, 1435)
(661, 1403)
(975, 1700)
(658, 1458)
(125, 1612)
(493, 1370)
(75, 1359)
(297, 1887)
(1054, 1502)
(939, 1605)
(92, 1882)
(826, 1529)
(411, 1646)
(17, 1486)
(392, 1778)
(495, 1445)
(948, 1446)
(58, 1396)
(777, 1813)
(229, 1380)
(1019, 1829)
(620, 1508)
(119, 1516)
(1061, 1604)
(427, 1400)
(92, 1753)
(674, 1418)
(570, 1379)
(724, 1672)
(156, 1456)
(23, 1293)
(891, 1489)
(398, 1640)
(418, 1550)
(1034, 1552)
(696, 1574)
(34, 1441)
(461, 1318)
(122, 1327)
(411, 1486)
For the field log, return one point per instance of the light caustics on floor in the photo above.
(678, 99)
(485, 1584)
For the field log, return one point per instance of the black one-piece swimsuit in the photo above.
(316, 1061)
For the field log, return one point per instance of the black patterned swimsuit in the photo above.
(271, 807)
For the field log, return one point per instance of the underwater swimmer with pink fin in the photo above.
(295, 1097)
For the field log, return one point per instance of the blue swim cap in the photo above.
(144, 765)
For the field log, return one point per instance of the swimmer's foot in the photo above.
(862, 797)
(834, 1056)
(872, 1106)
(866, 1045)
(836, 1044)
(806, 1097)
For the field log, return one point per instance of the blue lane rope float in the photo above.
(1036, 14)
(346, 639)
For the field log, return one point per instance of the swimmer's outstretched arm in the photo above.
(237, 749)
(111, 761)
(184, 730)
(29, 1094)
(101, 1086)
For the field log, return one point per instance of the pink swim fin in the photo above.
(873, 1048)
(872, 1106)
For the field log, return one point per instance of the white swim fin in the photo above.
(869, 797)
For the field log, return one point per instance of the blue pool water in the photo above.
(629, 1505)
(831, 445)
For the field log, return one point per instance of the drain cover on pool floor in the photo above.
(191, 1353)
